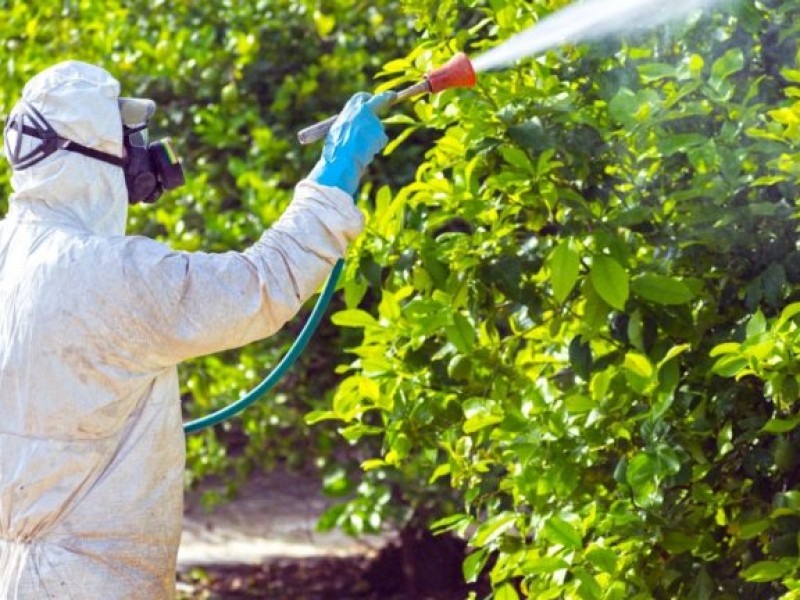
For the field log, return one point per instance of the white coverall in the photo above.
(92, 326)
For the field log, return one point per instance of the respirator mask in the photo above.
(149, 168)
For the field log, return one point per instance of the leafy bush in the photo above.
(574, 333)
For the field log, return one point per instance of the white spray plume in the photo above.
(586, 21)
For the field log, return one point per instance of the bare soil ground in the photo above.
(264, 544)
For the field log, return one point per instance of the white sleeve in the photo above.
(193, 303)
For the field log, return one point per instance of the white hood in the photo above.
(80, 101)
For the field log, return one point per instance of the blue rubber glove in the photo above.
(353, 141)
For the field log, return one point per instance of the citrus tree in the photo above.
(577, 323)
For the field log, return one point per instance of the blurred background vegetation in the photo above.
(568, 333)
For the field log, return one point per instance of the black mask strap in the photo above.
(117, 161)
(51, 141)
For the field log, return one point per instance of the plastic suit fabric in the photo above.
(92, 326)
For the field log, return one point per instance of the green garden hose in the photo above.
(284, 365)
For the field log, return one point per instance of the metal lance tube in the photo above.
(319, 130)
(457, 72)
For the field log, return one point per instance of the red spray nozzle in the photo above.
(456, 72)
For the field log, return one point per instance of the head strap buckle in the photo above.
(29, 122)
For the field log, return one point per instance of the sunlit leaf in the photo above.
(493, 528)
(564, 266)
(767, 570)
(781, 425)
(610, 281)
(354, 317)
(557, 530)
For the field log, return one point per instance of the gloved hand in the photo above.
(353, 141)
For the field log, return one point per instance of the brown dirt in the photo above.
(264, 544)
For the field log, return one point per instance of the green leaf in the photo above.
(372, 464)
(346, 405)
(639, 365)
(316, 416)
(604, 559)
(639, 372)
(756, 324)
(439, 471)
(725, 348)
(449, 523)
(354, 290)
(624, 106)
(678, 542)
(354, 317)
(517, 158)
(336, 483)
(564, 263)
(389, 306)
(531, 135)
(493, 528)
(654, 71)
(579, 403)
(461, 334)
(474, 563)
(397, 141)
(324, 23)
(580, 357)
(787, 314)
(506, 592)
(767, 570)
(667, 460)
(680, 142)
(725, 439)
(481, 421)
(661, 289)
(648, 469)
(729, 365)
(355, 432)
(753, 529)
(610, 281)
(558, 531)
(545, 564)
(640, 477)
(729, 63)
(595, 310)
(641, 469)
(781, 425)
(703, 587)
(588, 588)
(673, 352)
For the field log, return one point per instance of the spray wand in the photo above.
(455, 73)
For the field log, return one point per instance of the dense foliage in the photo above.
(572, 321)
(585, 329)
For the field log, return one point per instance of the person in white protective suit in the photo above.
(94, 322)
